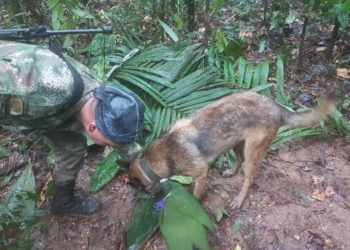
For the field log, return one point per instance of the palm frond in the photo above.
(172, 81)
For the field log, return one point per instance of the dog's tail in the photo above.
(311, 117)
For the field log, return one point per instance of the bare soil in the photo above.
(300, 200)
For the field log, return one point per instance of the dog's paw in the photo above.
(236, 204)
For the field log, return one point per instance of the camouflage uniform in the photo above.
(37, 83)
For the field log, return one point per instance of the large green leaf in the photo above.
(257, 75)
(145, 86)
(281, 96)
(341, 124)
(3, 152)
(169, 31)
(18, 204)
(183, 222)
(104, 172)
(241, 70)
(248, 75)
(285, 134)
(144, 220)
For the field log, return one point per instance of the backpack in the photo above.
(38, 84)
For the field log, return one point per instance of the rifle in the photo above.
(43, 32)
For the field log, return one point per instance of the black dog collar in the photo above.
(148, 171)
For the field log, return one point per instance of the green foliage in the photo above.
(62, 11)
(17, 210)
(282, 15)
(101, 46)
(244, 75)
(104, 172)
(329, 8)
(227, 45)
(279, 19)
(3, 152)
(183, 222)
(68, 15)
(144, 220)
(236, 227)
(341, 125)
(285, 134)
(281, 96)
(182, 179)
(341, 10)
(172, 81)
(169, 31)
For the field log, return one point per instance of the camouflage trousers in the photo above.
(70, 149)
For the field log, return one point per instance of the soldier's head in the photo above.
(116, 116)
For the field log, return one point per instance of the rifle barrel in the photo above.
(79, 31)
(41, 31)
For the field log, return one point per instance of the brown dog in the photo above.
(246, 122)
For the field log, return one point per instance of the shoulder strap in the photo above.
(78, 87)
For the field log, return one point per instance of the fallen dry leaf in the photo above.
(317, 179)
(321, 196)
(329, 191)
(318, 196)
(40, 203)
(343, 73)
(320, 49)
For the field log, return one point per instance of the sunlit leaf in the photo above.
(169, 31)
(104, 172)
(182, 179)
(262, 46)
(281, 96)
(290, 18)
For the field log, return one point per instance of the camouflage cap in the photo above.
(119, 114)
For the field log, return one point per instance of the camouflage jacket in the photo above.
(39, 78)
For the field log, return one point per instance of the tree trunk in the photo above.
(207, 31)
(190, 15)
(265, 13)
(301, 45)
(334, 38)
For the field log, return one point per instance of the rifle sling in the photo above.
(78, 88)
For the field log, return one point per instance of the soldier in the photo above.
(64, 101)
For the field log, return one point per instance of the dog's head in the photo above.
(139, 179)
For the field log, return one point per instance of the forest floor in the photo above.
(300, 198)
